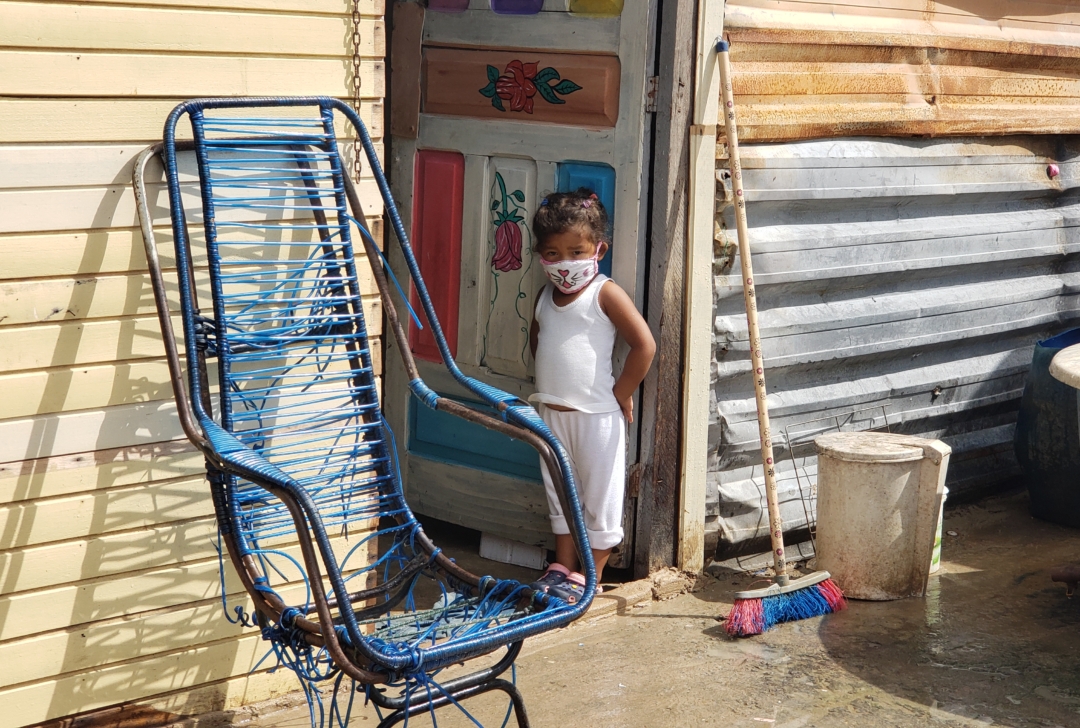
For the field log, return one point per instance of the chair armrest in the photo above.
(236, 458)
(233, 456)
(516, 417)
(494, 396)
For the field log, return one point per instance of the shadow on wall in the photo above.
(110, 546)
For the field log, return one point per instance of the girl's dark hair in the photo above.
(562, 211)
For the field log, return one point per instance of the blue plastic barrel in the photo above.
(1048, 437)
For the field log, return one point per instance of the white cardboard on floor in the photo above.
(506, 551)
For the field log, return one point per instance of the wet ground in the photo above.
(995, 642)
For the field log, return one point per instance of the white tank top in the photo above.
(573, 354)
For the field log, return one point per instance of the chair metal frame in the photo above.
(331, 624)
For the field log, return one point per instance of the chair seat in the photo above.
(434, 634)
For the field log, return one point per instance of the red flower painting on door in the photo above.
(517, 86)
(508, 214)
(520, 82)
(508, 219)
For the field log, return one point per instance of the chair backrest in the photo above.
(286, 325)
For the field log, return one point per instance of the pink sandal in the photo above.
(559, 582)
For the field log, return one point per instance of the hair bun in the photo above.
(581, 209)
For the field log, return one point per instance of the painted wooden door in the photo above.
(495, 104)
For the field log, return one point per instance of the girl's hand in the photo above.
(627, 406)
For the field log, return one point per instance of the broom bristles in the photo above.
(754, 616)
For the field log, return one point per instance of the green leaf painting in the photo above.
(548, 74)
(566, 86)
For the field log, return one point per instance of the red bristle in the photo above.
(747, 617)
(832, 594)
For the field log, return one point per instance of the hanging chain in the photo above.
(357, 149)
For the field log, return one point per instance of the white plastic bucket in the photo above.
(879, 498)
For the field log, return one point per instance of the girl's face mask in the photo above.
(570, 276)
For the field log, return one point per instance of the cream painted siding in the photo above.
(109, 588)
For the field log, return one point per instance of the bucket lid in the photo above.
(1066, 366)
(870, 447)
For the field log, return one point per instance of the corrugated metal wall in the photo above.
(108, 574)
(897, 279)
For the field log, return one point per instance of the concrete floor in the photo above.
(995, 642)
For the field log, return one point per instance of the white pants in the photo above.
(597, 447)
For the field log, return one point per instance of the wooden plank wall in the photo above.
(109, 588)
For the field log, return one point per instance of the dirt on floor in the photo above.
(994, 642)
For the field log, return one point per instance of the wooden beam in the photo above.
(407, 27)
(657, 498)
(699, 292)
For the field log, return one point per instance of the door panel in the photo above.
(448, 6)
(510, 276)
(521, 123)
(481, 28)
(440, 436)
(599, 8)
(600, 178)
(436, 239)
(517, 7)
(571, 89)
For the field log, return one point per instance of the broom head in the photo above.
(810, 596)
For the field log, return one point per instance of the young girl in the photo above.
(578, 313)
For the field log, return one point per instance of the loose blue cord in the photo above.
(388, 269)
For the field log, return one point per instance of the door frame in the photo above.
(668, 506)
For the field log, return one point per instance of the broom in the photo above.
(786, 600)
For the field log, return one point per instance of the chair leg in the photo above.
(442, 700)
(516, 698)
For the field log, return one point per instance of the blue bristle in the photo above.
(799, 604)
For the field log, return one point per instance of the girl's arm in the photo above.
(632, 327)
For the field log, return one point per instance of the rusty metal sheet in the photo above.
(901, 282)
(806, 70)
(1008, 26)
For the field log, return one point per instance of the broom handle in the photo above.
(757, 362)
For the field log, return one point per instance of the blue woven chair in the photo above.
(297, 451)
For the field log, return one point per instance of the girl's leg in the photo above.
(600, 556)
(565, 551)
(597, 448)
(600, 464)
(566, 554)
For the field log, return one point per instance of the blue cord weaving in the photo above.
(303, 467)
